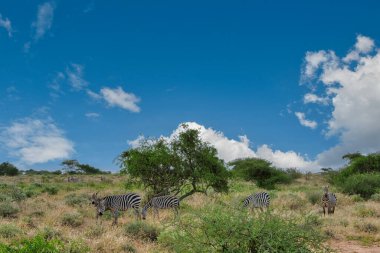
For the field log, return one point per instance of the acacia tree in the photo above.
(182, 165)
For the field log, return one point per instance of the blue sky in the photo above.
(79, 79)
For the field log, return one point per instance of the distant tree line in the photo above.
(69, 166)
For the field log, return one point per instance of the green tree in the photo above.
(8, 169)
(73, 167)
(184, 165)
(259, 171)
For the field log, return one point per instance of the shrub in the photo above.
(49, 233)
(129, 248)
(142, 231)
(77, 247)
(293, 173)
(260, 171)
(76, 200)
(8, 169)
(37, 244)
(50, 189)
(367, 227)
(218, 229)
(364, 212)
(95, 231)
(376, 197)
(314, 197)
(8, 209)
(9, 231)
(363, 184)
(72, 219)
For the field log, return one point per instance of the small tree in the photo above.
(185, 165)
(74, 167)
(8, 169)
(259, 171)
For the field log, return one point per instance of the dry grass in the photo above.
(352, 220)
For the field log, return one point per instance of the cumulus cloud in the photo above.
(74, 74)
(305, 122)
(311, 98)
(7, 25)
(45, 15)
(231, 149)
(117, 98)
(35, 141)
(353, 87)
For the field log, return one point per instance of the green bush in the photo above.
(72, 219)
(314, 197)
(364, 212)
(376, 197)
(142, 231)
(76, 200)
(293, 173)
(8, 169)
(218, 229)
(363, 184)
(9, 231)
(261, 172)
(37, 244)
(50, 189)
(8, 209)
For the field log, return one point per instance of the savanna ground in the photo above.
(51, 206)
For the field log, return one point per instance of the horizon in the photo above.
(293, 83)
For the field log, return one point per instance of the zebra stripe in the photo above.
(117, 203)
(328, 201)
(258, 200)
(162, 202)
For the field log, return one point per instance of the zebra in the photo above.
(116, 203)
(258, 200)
(161, 202)
(328, 201)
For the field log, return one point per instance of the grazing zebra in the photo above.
(161, 202)
(116, 203)
(328, 201)
(258, 200)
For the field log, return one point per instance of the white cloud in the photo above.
(363, 45)
(45, 15)
(354, 88)
(92, 115)
(314, 60)
(305, 122)
(118, 97)
(230, 149)
(314, 99)
(7, 25)
(35, 141)
(74, 74)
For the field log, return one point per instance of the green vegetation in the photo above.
(361, 176)
(220, 229)
(76, 200)
(185, 165)
(72, 219)
(9, 231)
(8, 209)
(142, 231)
(261, 172)
(74, 167)
(8, 169)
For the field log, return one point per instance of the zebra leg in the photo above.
(115, 215)
(137, 213)
(324, 213)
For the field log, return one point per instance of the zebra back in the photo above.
(122, 202)
(165, 201)
(260, 199)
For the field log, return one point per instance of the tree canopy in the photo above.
(182, 165)
(8, 169)
(74, 167)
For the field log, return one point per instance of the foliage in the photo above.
(363, 184)
(314, 197)
(8, 209)
(76, 200)
(9, 231)
(40, 244)
(185, 164)
(260, 171)
(73, 167)
(72, 219)
(293, 173)
(8, 169)
(142, 231)
(50, 189)
(218, 229)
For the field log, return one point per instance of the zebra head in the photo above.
(94, 199)
(145, 209)
(326, 189)
(101, 207)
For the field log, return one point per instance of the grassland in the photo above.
(52, 207)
